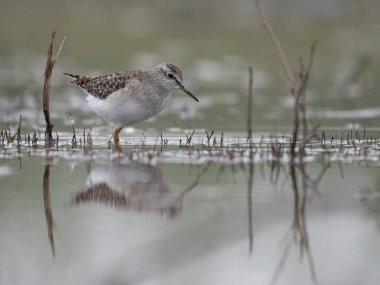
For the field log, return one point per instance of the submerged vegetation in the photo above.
(194, 147)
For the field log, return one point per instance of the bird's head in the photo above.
(172, 76)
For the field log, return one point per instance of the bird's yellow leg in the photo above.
(116, 135)
(116, 139)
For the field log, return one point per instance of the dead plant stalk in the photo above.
(297, 84)
(249, 107)
(51, 60)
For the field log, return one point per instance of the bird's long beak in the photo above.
(184, 89)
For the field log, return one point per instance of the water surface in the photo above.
(175, 210)
(97, 222)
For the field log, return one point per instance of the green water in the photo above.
(191, 214)
(173, 230)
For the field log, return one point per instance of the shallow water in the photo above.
(174, 210)
(165, 211)
(99, 222)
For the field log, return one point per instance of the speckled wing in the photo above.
(102, 86)
(101, 193)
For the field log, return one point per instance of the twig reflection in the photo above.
(48, 209)
(250, 206)
(298, 234)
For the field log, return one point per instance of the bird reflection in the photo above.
(136, 187)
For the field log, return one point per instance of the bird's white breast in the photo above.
(124, 109)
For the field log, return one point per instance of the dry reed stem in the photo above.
(268, 28)
(303, 88)
(249, 107)
(189, 138)
(300, 102)
(209, 136)
(51, 60)
(296, 84)
(19, 132)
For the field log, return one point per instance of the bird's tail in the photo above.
(78, 79)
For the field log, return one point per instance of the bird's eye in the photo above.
(170, 75)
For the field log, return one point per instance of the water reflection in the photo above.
(207, 232)
(250, 208)
(303, 186)
(48, 209)
(136, 187)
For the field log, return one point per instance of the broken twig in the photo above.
(46, 91)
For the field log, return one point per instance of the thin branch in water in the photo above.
(249, 103)
(268, 28)
(209, 136)
(74, 139)
(19, 132)
(51, 60)
(189, 138)
(221, 140)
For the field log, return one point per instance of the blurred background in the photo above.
(213, 42)
(224, 231)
